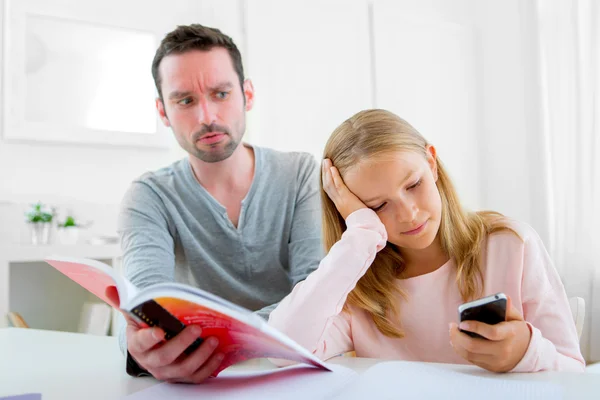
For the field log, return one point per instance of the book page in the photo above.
(413, 380)
(93, 275)
(196, 296)
(295, 383)
(204, 296)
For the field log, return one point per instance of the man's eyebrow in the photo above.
(222, 85)
(179, 94)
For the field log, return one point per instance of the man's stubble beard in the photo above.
(226, 152)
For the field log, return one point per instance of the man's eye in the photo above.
(186, 101)
(222, 95)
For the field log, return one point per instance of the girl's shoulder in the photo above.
(518, 251)
(515, 250)
(513, 232)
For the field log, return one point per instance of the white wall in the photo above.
(487, 135)
(96, 173)
(101, 174)
(427, 71)
(506, 124)
(307, 80)
(417, 59)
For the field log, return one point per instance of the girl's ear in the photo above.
(432, 161)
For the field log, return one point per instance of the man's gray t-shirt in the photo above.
(172, 229)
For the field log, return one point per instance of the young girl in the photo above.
(403, 255)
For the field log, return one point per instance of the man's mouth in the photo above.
(212, 137)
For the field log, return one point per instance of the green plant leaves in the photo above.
(39, 213)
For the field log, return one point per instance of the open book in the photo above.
(171, 306)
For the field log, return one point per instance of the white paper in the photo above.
(386, 380)
(409, 380)
(298, 382)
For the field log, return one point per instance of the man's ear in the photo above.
(160, 107)
(432, 161)
(249, 94)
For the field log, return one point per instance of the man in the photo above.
(240, 221)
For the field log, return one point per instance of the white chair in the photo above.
(95, 318)
(578, 311)
(595, 368)
(16, 320)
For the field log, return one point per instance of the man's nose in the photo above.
(206, 112)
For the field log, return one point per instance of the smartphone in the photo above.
(490, 310)
(153, 314)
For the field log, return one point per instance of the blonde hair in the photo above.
(372, 133)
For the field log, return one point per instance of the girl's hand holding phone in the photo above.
(345, 201)
(503, 346)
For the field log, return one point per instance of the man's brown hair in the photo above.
(195, 37)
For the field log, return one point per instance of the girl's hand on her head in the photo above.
(506, 345)
(345, 201)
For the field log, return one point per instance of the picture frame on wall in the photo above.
(79, 74)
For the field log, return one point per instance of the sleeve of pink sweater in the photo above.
(554, 345)
(325, 330)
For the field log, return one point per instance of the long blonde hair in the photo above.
(369, 134)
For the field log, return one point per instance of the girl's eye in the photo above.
(416, 184)
(378, 208)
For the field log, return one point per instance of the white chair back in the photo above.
(578, 310)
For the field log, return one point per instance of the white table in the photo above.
(76, 366)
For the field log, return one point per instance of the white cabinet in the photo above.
(311, 67)
(46, 298)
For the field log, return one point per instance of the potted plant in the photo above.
(68, 231)
(39, 218)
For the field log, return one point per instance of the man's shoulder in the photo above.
(151, 185)
(163, 176)
(279, 160)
